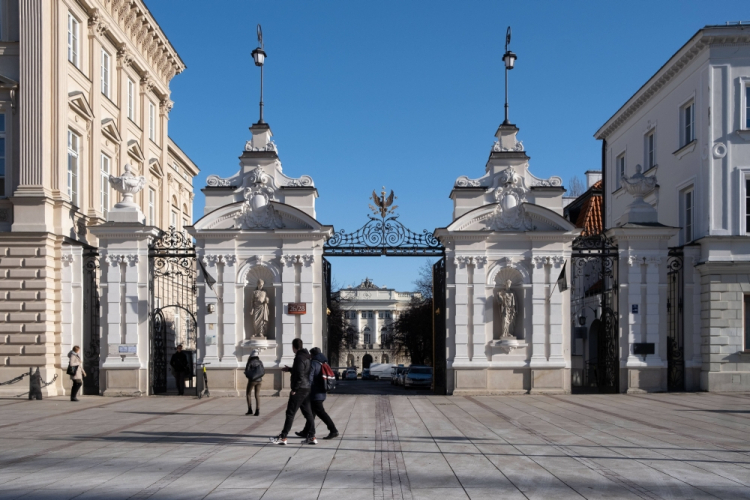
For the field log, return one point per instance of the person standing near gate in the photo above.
(180, 369)
(318, 394)
(254, 372)
(75, 370)
(299, 396)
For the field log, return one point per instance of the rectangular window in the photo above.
(105, 73)
(2, 155)
(185, 223)
(747, 106)
(688, 124)
(73, 158)
(388, 315)
(151, 121)
(369, 314)
(747, 322)
(650, 150)
(747, 206)
(367, 337)
(381, 314)
(131, 99)
(364, 314)
(174, 219)
(104, 196)
(619, 170)
(73, 35)
(689, 216)
(151, 207)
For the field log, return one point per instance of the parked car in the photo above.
(394, 372)
(366, 374)
(418, 376)
(351, 374)
(381, 371)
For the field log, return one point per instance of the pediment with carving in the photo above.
(524, 217)
(255, 214)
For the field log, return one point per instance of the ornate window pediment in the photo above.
(78, 103)
(135, 151)
(109, 129)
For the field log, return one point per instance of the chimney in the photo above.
(592, 177)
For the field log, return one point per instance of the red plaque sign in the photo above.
(297, 308)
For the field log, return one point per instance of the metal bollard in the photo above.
(35, 384)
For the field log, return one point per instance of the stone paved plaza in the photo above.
(412, 446)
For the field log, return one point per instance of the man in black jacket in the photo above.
(318, 394)
(299, 395)
(180, 368)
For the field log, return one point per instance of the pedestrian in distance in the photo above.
(318, 394)
(299, 395)
(76, 372)
(180, 369)
(254, 372)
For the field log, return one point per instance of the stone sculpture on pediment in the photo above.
(510, 194)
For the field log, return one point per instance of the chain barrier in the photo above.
(43, 385)
(14, 380)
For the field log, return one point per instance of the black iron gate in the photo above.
(91, 315)
(675, 321)
(439, 381)
(172, 279)
(595, 284)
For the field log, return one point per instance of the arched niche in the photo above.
(501, 276)
(251, 278)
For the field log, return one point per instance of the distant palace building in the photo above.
(370, 312)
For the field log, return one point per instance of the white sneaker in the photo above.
(310, 440)
(278, 440)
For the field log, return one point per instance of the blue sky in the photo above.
(408, 94)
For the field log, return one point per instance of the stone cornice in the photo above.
(706, 37)
(137, 35)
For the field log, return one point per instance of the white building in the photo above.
(689, 125)
(370, 312)
(84, 90)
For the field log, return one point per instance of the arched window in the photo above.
(385, 338)
(384, 359)
(368, 336)
(351, 336)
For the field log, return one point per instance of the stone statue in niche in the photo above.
(506, 305)
(260, 310)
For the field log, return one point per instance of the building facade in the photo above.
(688, 125)
(84, 91)
(370, 312)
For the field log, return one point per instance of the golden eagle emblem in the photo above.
(382, 204)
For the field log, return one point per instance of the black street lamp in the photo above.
(509, 58)
(259, 56)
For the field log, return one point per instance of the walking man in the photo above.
(180, 369)
(254, 372)
(318, 394)
(299, 396)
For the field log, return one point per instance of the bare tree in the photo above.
(576, 187)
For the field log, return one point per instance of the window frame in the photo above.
(746, 323)
(106, 73)
(74, 167)
(131, 99)
(74, 40)
(619, 170)
(104, 183)
(151, 206)
(649, 150)
(151, 121)
(687, 127)
(687, 214)
(174, 219)
(3, 155)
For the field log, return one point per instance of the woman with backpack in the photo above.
(254, 372)
(75, 370)
(318, 389)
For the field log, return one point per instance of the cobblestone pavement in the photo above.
(414, 446)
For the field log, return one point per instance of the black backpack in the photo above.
(254, 371)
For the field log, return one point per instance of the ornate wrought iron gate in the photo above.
(172, 278)
(595, 282)
(91, 315)
(675, 321)
(439, 382)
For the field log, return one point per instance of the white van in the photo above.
(381, 371)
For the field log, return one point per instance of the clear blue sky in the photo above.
(408, 94)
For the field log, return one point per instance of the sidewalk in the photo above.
(405, 447)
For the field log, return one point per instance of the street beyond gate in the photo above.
(412, 446)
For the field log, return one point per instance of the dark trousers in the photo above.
(74, 391)
(299, 401)
(180, 379)
(320, 412)
(253, 384)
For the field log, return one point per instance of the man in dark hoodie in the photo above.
(298, 397)
(318, 394)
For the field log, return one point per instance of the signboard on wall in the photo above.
(297, 308)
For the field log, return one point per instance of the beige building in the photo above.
(370, 312)
(84, 90)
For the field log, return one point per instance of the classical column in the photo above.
(655, 290)
(288, 294)
(306, 263)
(481, 309)
(211, 321)
(461, 315)
(634, 321)
(556, 314)
(112, 297)
(230, 338)
(539, 311)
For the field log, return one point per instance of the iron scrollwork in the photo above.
(675, 320)
(91, 311)
(383, 235)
